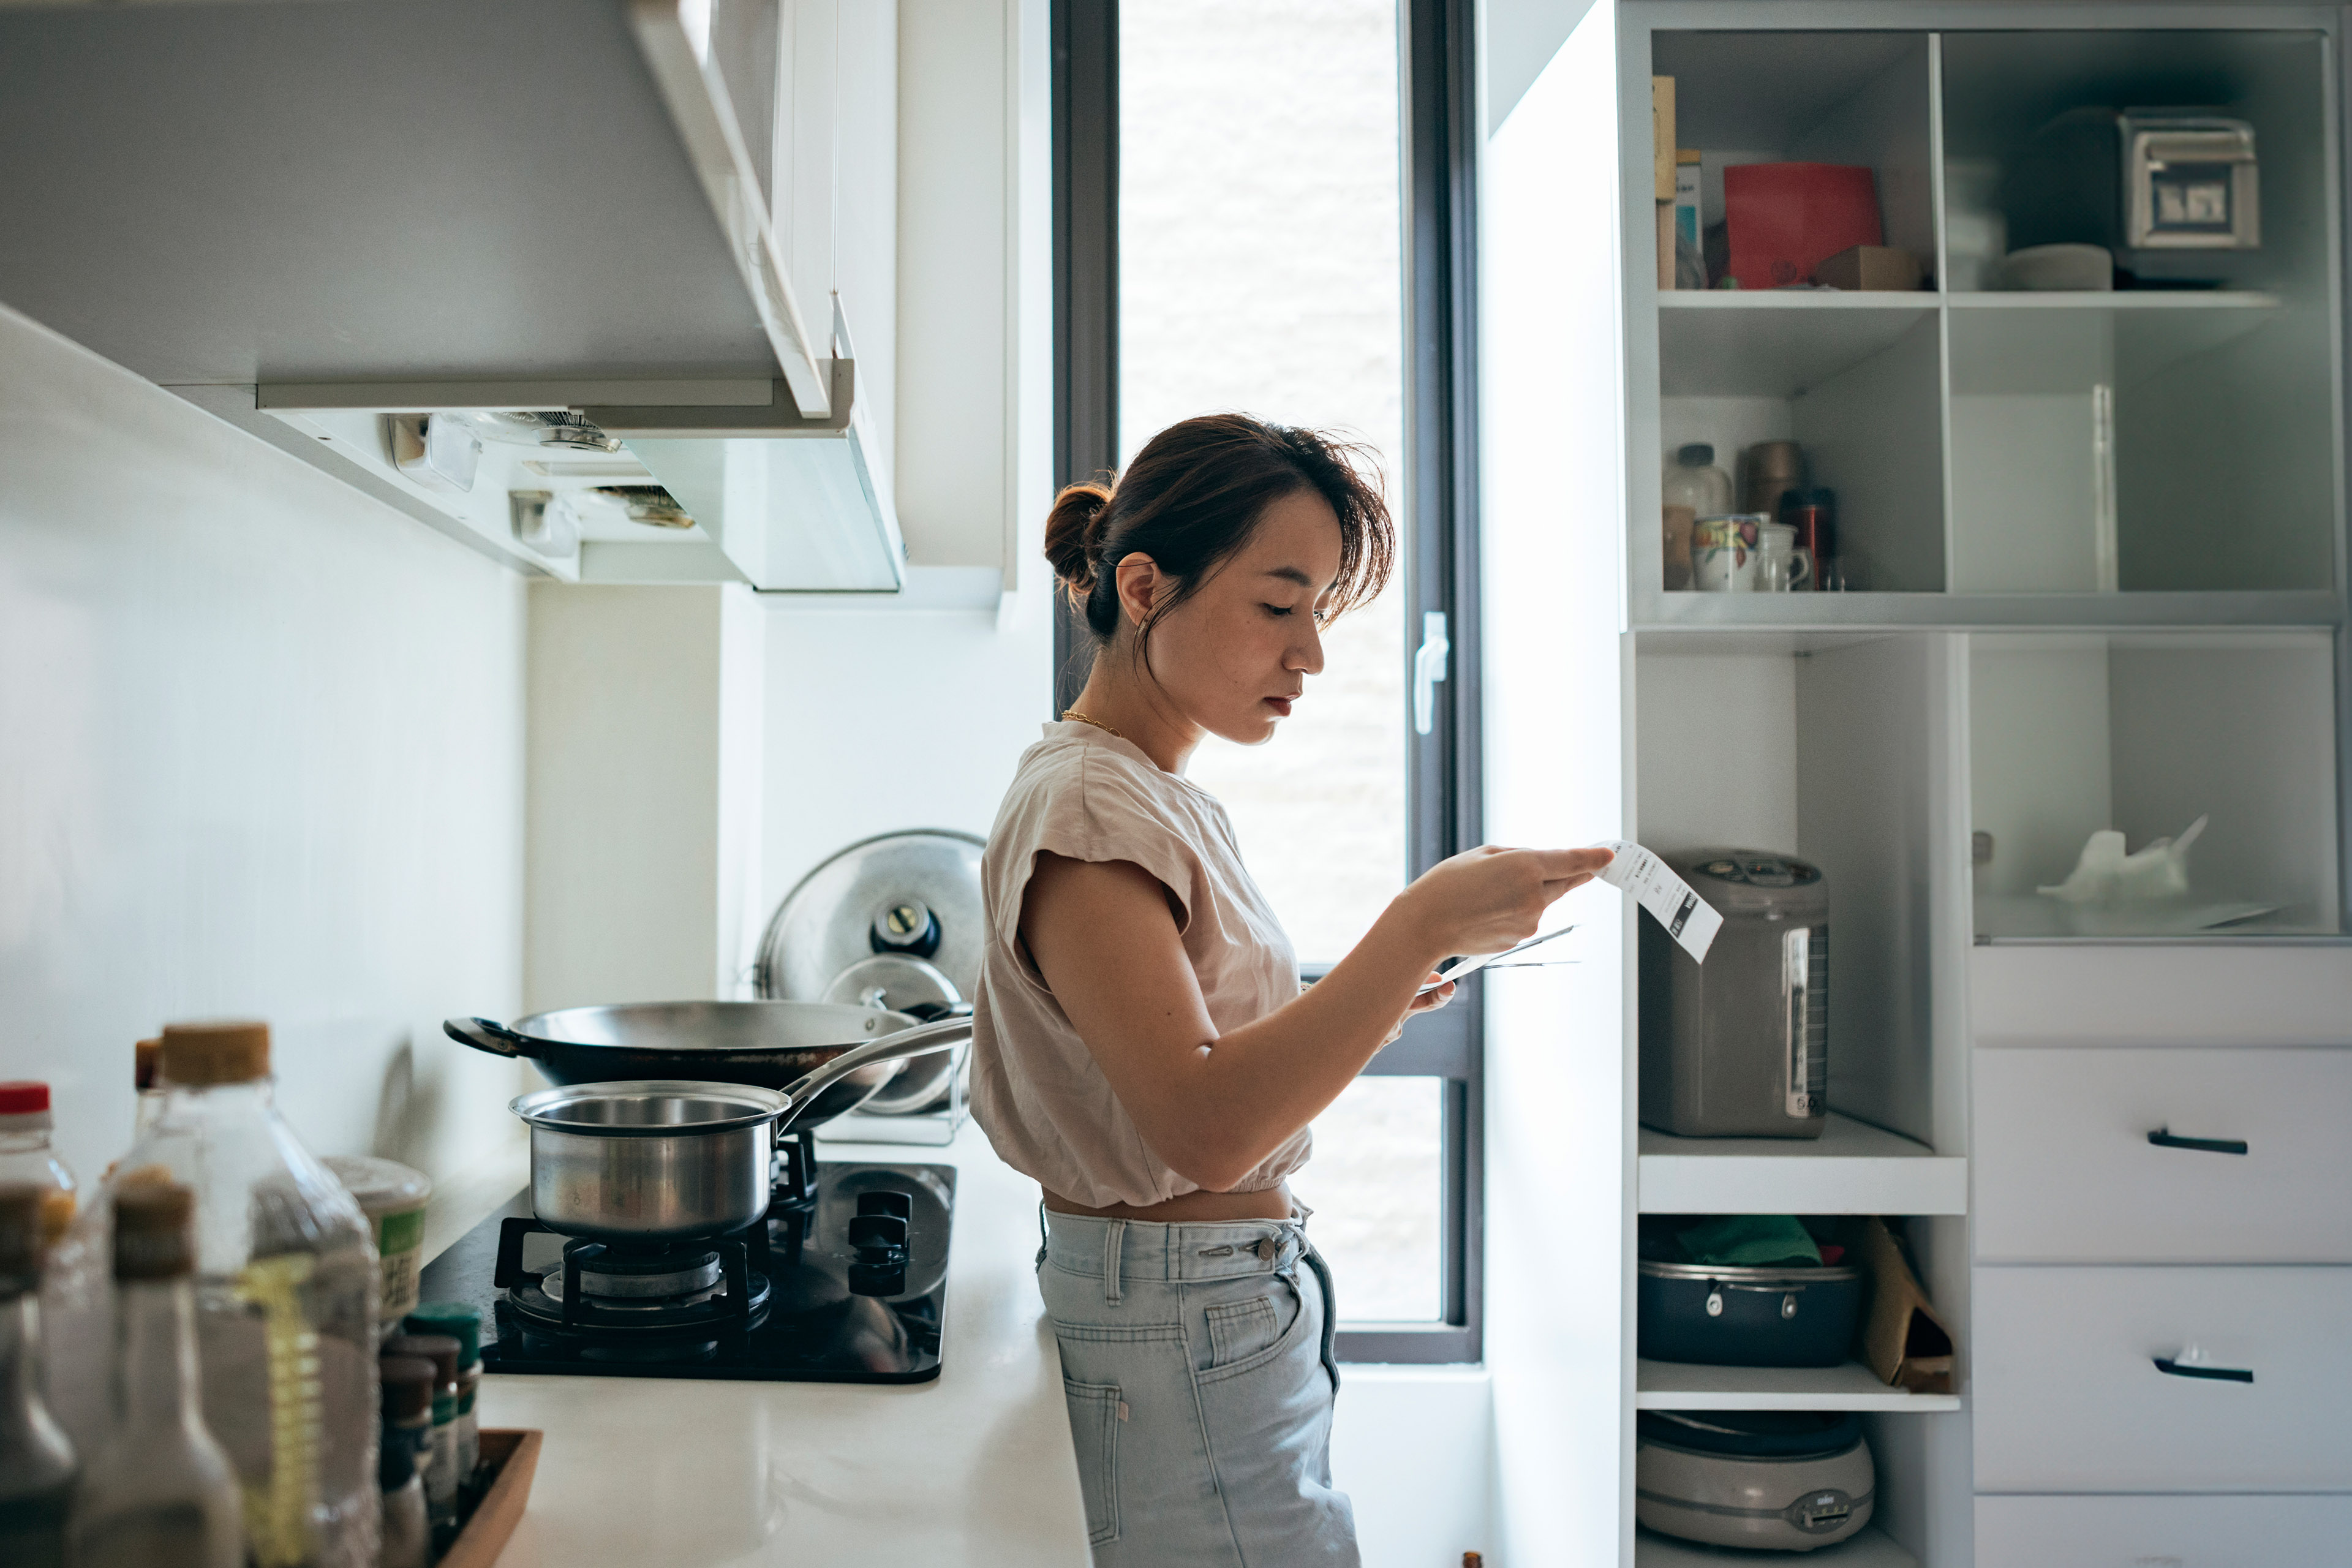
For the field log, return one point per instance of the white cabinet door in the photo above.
(2164, 1531)
(2068, 1397)
(2065, 1173)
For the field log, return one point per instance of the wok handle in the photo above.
(927, 1040)
(484, 1036)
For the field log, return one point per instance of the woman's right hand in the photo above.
(1490, 898)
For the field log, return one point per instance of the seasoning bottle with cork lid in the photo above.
(147, 1078)
(441, 1476)
(25, 1156)
(37, 1462)
(162, 1490)
(405, 1450)
(464, 1324)
(284, 1289)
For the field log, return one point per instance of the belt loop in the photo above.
(1114, 1242)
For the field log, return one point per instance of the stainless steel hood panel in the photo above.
(428, 188)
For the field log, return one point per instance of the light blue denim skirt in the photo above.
(1197, 1362)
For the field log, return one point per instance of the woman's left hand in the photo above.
(1426, 1002)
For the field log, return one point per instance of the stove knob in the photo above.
(880, 1239)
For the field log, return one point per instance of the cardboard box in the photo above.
(1902, 1340)
(1782, 220)
(1662, 135)
(1876, 267)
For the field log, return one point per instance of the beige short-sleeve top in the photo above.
(1087, 794)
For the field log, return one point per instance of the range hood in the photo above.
(413, 243)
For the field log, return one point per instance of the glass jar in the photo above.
(1693, 488)
(25, 1155)
(286, 1285)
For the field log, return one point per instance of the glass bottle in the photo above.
(147, 1077)
(37, 1462)
(462, 1323)
(161, 1491)
(25, 1155)
(442, 1475)
(407, 1444)
(1693, 488)
(286, 1285)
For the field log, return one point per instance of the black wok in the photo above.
(770, 1043)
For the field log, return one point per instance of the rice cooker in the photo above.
(1739, 1047)
(1790, 1480)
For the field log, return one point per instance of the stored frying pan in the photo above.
(770, 1043)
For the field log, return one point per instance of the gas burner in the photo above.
(843, 1281)
(603, 1287)
(792, 1171)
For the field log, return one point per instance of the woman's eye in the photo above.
(1279, 609)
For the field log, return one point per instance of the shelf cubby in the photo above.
(2167, 455)
(2072, 734)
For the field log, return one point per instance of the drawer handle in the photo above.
(2171, 1368)
(2163, 1139)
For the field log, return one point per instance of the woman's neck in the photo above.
(1122, 697)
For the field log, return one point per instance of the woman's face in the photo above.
(1236, 655)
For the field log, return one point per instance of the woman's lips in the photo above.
(1281, 705)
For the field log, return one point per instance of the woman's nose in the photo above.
(1308, 656)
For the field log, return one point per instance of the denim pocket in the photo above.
(1246, 1334)
(1095, 1413)
(1239, 1329)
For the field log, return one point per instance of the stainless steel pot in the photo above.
(650, 1159)
(658, 1160)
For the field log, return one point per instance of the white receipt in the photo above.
(1689, 919)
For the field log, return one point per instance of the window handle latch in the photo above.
(1429, 663)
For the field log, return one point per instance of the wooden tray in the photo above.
(511, 1454)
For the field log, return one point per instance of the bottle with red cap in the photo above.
(25, 1155)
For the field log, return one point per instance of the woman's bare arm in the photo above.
(1215, 1106)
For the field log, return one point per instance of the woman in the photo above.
(1141, 1045)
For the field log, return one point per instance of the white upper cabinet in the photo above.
(505, 217)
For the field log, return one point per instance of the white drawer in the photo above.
(2064, 1173)
(2068, 1399)
(2164, 1531)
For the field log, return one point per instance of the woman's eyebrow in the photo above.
(1290, 575)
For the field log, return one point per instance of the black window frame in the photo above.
(1438, 125)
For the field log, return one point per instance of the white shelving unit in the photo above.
(1681, 1386)
(2045, 634)
(1852, 1168)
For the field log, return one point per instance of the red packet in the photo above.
(1782, 220)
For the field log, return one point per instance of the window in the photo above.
(1257, 208)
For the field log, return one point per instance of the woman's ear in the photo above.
(1140, 584)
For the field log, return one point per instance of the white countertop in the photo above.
(973, 1469)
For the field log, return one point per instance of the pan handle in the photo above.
(923, 1041)
(484, 1036)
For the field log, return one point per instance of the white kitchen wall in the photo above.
(260, 755)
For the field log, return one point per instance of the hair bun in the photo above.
(1073, 528)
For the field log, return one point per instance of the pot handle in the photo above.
(484, 1036)
(944, 1036)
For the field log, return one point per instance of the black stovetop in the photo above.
(830, 1312)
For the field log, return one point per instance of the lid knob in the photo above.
(907, 927)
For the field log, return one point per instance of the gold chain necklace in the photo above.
(1074, 713)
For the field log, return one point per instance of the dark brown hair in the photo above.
(1193, 496)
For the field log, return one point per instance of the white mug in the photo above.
(1723, 553)
(1782, 567)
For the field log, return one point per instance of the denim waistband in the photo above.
(1139, 1249)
